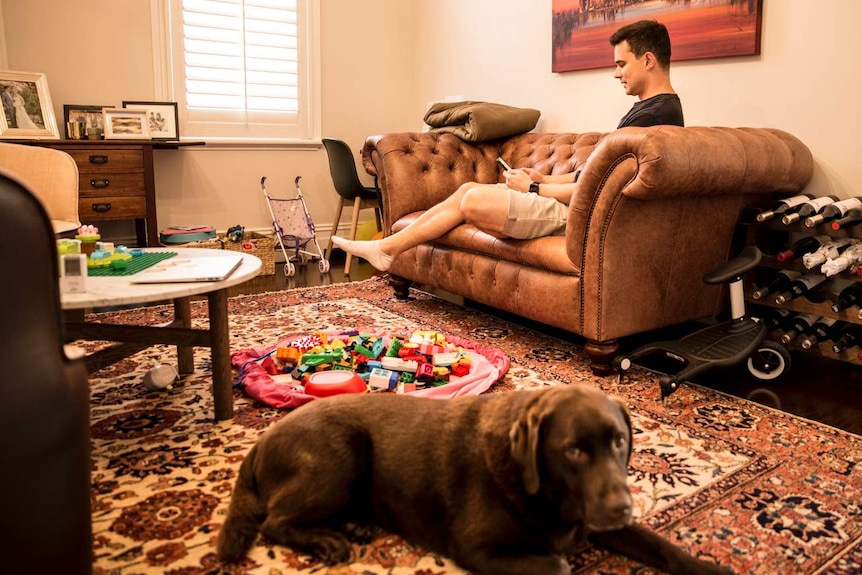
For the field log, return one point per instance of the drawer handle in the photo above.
(99, 160)
(102, 207)
(100, 183)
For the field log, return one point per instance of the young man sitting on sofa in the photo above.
(537, 204)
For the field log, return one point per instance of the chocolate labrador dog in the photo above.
(503, 483)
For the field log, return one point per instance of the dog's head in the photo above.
(574, 444)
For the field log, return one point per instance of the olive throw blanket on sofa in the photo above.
(480, 121)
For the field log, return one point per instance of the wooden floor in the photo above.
(816, 388)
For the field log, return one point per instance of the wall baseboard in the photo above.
(121, 236)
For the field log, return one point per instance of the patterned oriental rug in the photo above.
(755, 489)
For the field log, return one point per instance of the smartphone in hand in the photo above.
(504, 165)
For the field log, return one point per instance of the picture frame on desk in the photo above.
(27, 109)
(91, 116)
(163, 118)
(123, 124)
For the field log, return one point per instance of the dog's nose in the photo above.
(621, 512)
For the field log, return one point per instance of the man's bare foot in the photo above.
(369, 251)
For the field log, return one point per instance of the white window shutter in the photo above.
(246, 68)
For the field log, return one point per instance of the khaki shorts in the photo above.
(534, 216)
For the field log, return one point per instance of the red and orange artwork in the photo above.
(697, 28)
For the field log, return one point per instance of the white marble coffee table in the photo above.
(119, 291)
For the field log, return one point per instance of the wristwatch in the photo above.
(534, 187)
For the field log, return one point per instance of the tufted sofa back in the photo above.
(432, 166)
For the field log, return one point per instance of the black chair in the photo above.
(44, 403)
(346, 181)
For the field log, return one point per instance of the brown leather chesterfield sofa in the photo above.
(654, 210)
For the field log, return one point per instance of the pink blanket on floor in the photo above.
(488, 366)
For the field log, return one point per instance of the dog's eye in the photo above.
(573, 452)
(620, 440)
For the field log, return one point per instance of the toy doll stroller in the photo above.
(294, 228)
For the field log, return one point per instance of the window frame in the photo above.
(169, 81)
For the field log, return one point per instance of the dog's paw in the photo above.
(362, 533)
(330, 548)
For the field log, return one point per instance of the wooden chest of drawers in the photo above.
(116, 181)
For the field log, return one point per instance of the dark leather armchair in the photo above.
(44, 403)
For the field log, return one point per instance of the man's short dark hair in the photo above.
(645, 36)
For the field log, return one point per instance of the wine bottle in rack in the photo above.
(852, 218)
(776, 318)
(777, 283)
(830, 250)
(822, 330)
(802, 246)
(844, 294)
(782, 206)
(806, 285)
(833, 211)
(808, 208)
(799, 325)
(848, 336)
(849, 258)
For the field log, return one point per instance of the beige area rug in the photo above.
(757, 490)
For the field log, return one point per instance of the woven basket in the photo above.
(212, 244)
(263, 247)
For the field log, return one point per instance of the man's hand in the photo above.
(535, 175)
(518, 179)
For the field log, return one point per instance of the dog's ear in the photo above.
(524, 438)
(621, 404)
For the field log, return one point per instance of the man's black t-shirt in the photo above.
(662, 109)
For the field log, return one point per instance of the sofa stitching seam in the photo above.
(601, 243)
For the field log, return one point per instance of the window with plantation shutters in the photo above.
(245, 69)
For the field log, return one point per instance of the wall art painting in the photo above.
(698, 29)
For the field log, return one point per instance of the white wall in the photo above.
(805, 80)
(383, 60)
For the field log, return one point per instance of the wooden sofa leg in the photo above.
(401, 286)
(601, 354)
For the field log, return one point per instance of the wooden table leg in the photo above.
(185, 354)
(220, 344)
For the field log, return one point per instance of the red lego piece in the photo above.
(460, 369)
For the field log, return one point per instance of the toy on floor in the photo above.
(397, 362)
(161, 376)
(293, 226)
(336, 382)
(741, 338)
(235, 233)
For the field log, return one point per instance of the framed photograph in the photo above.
(90, 116)
(27, 109)
(122, 124)
(714, 29)
(162, 118)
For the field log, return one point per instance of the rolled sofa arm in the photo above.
(704, 161)
(655, 209)
(664, 162)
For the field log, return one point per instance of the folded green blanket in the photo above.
(480, 121)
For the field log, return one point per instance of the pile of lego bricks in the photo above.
(424, 363)
(398, 362)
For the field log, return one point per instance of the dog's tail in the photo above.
(244, 515)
